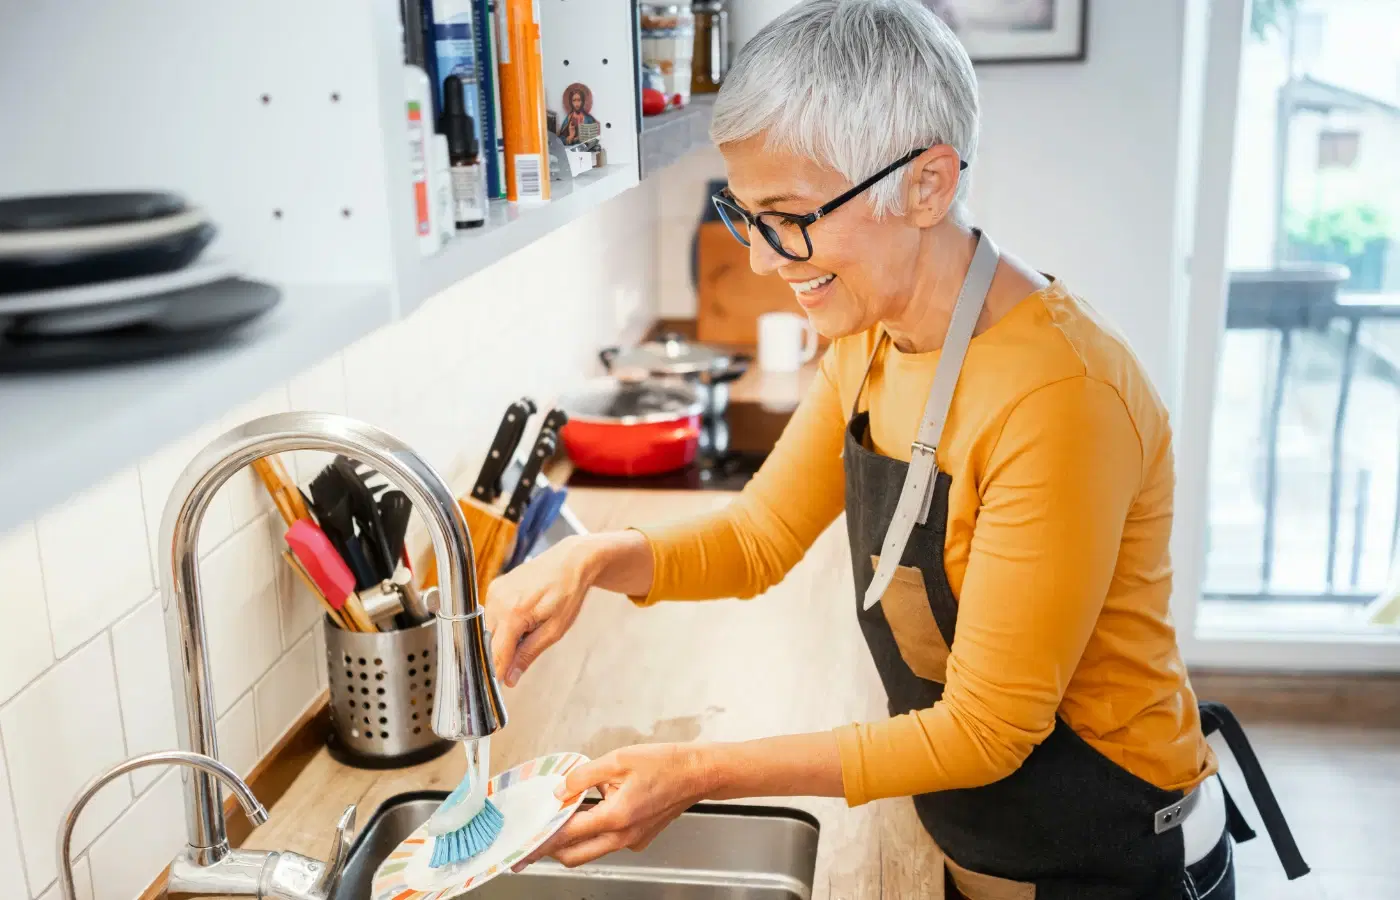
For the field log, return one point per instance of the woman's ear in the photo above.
(933, 184)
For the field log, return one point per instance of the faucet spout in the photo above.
(255, 811)
(468, 703)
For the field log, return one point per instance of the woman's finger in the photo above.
(591, 774)
(529, 650)
(511, 624)
(589, 850)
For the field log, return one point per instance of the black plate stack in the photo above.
(99, 278)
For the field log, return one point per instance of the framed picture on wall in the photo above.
(998, 31)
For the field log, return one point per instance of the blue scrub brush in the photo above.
(467, 822)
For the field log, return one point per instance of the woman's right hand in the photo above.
(531, 607)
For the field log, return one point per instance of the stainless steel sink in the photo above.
(712, 852)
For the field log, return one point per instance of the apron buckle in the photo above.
(1169, 817)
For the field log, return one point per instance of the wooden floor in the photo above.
(1339, 786)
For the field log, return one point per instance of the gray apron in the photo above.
(1069, 823)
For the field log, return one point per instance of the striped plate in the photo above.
(525, 796)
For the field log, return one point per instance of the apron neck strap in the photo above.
(916, 495)
(963, 322)
(968, 310)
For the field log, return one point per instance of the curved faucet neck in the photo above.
(469, 702)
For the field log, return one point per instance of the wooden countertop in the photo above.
(791, 661)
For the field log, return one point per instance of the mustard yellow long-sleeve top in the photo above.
(1059, 517)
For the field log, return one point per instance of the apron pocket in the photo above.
(971, 885)
(911, 621)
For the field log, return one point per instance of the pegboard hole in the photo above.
(607, 124)
(605, 60)
(378, 662)
(335, 97)
(417, 729)
(266, 99)
(277, 214)
(566, 62)
(380, 692)
(384, 735)
(345, 214)
(411, 657)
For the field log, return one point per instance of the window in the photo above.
(1337, 149)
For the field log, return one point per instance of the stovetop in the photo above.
(732, 448)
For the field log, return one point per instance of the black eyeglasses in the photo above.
(787, 233)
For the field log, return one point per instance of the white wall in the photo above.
(84, 679)
(1076, 174)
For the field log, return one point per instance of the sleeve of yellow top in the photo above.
(751, 544)
(1055, 495)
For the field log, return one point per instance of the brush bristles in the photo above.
(470, 839)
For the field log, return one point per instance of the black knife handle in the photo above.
(544, 448)
(508, 434)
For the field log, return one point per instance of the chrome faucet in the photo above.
(468, 703)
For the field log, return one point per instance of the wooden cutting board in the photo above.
(730, 297)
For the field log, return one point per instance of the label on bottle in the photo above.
(418, 168)
(469, 194)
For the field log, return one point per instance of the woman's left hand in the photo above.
(644, 788)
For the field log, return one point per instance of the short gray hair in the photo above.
(854, 85)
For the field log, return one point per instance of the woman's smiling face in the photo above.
(862, 268)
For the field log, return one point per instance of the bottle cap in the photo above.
(457, 125)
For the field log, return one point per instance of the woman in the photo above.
(1009, 537)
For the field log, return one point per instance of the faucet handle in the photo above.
(329, 879)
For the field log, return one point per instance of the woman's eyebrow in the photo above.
(776, 198)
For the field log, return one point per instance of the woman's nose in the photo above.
(763, 259)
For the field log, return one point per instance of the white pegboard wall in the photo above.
(592, 41)
(262, 112)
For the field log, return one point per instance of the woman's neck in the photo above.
(921, 323)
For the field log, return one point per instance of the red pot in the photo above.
(629, 428)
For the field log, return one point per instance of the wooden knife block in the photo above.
(730, 297)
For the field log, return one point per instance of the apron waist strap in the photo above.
(1217, 717)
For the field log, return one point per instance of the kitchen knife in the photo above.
(543, 449)
(508, 435)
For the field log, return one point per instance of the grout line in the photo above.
(121, 712)
(14, 816)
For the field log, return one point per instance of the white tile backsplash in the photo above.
(240, 612)
(11, 858)
(97, 562)
(74, 700)
(128, 855)
(82, 881)
(26, 649)
(59, 733)
(143, 684)
(284, 693)
(159, 473)
(237, 735)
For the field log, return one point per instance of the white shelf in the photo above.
(671, 135)
(60, 433)
(510, 227)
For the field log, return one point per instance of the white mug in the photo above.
(785, 342)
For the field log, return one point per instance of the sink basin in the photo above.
(711, 852)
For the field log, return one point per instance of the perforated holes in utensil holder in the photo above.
(382, 696)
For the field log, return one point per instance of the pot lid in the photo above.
(671, 354)
(627, 402)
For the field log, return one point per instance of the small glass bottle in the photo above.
(464, 154)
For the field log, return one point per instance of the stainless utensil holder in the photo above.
(382, 687)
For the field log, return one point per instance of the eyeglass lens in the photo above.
(781, 233)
